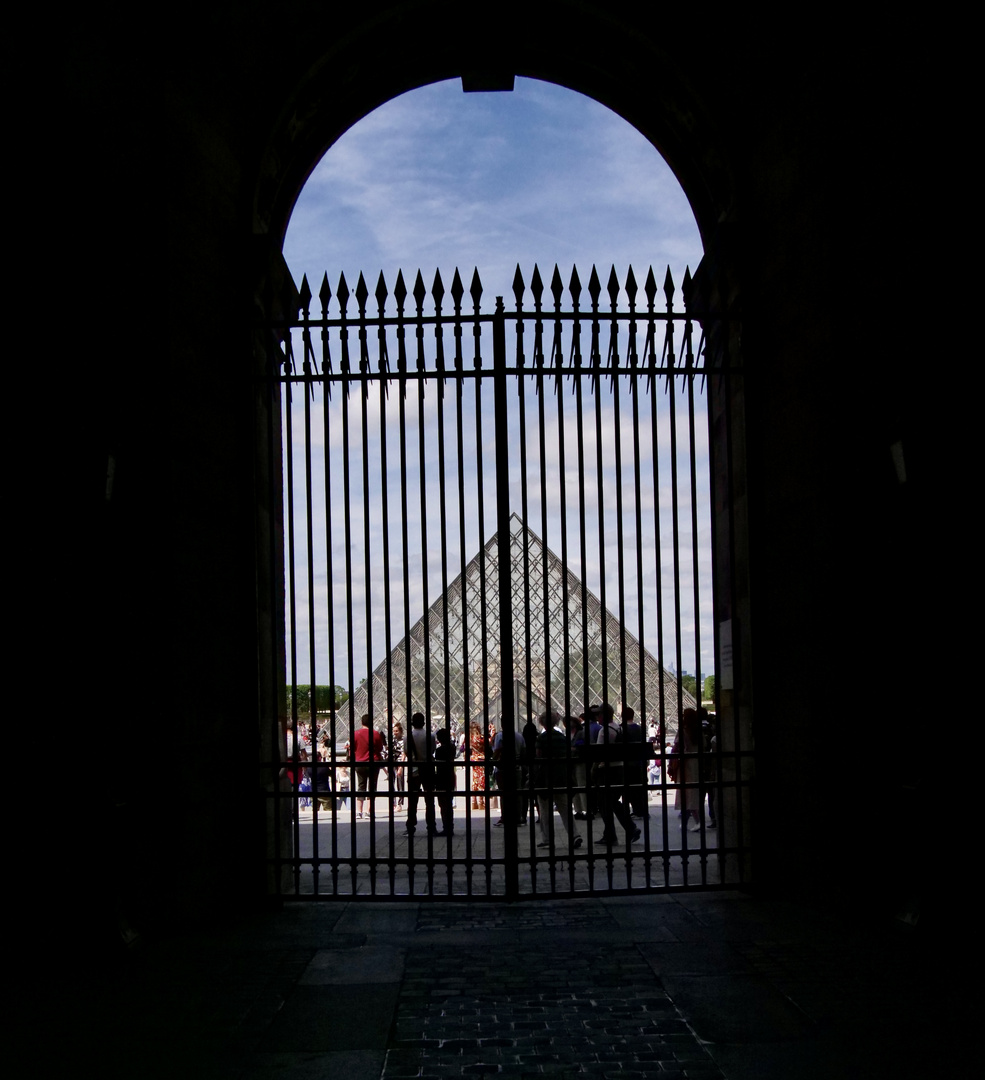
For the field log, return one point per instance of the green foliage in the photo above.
(690, 684)
(708, 693)
(326, 699)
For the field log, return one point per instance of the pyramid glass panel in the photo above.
(567, 651)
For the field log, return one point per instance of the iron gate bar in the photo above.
(649, 350)
(555, 371)
(504, 569)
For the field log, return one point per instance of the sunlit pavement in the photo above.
(376, 856)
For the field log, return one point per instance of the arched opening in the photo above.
(455, 556)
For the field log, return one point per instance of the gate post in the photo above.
(507, 774)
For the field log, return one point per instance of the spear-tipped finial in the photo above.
(631, 287)
(613, 287)
(669, 285)
(557, 286)
(650, 287)
(457, 288)
(518, 286)
(594, 287)
(537, 285)
(361, 292)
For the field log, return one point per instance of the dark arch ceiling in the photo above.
(405, 46)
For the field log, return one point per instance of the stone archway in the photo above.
(597, 55)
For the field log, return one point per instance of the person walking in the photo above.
(420, 773)
(611, 780)
(368, 744)
(553, 787)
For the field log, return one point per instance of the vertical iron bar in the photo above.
(309, 533)
(675, 527)
(689, 378)
(342, 292)
(525, 551)
(387, 637)
(405, 541)
(503, 525)
(443, 529)
(422, 463)
(614, 383)
(548, 695)
(642, 719)
(634, 392)
(484, 632)
(373, 777)
(330, 586)
(653, 383)
(463, 562)
(571, 764)
(590, 793)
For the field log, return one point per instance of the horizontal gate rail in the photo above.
(489, 553)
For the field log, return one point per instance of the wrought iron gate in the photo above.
(489, 516)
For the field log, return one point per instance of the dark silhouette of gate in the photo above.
(555, 467)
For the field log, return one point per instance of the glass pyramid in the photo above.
(567, 651)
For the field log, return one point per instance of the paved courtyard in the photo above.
(376, 855)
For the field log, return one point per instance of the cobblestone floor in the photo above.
(524, 1011)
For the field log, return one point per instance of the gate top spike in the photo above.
(342, 292)
(613, 287)
(361, 292)
(686, 284)
(437, 289)
(574, 286)
(325, 292)
(419, 290)
(400, 290)
(518, 286)
(475, 289)
(537, 285)
(650, 288)
(304, 294)
(557, 286)
(631, 287)
(381, 292)
(669, 285)
(457, 288)
(594, 287)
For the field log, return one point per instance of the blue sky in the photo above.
(441, 179)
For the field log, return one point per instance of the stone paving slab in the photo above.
(374, 964)
(675, 985)
(323, 1018)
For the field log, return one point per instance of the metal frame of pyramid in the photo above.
(474, 682)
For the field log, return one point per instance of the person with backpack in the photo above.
(610, 780)
(552, 784)
(520, 754)
(420, 773)
(445, 780)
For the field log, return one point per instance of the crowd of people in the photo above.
(568, 769)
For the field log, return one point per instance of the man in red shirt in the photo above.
(368, 745)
